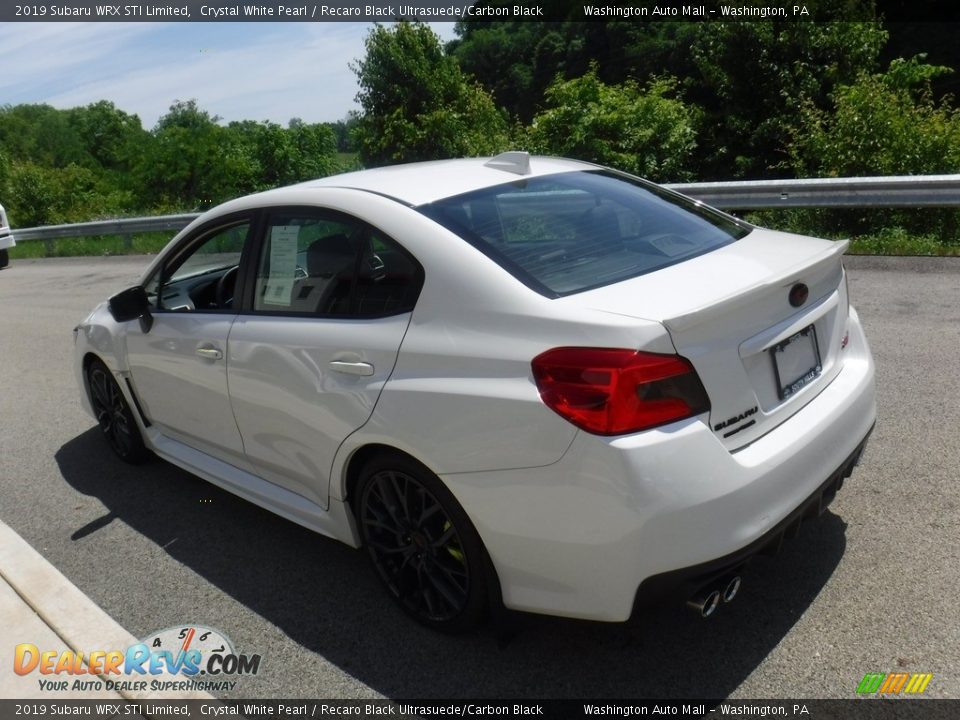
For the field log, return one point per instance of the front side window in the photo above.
(202, 275)
(333, 266)
(565, 233)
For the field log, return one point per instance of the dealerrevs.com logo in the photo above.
(185, 658)
(897, 683)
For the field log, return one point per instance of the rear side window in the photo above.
(562, 234)
(333, 265)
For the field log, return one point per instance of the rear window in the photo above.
(562, 234)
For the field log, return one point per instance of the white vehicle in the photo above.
(6, 239)
(528, 380)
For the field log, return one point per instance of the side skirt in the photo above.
(337, 522)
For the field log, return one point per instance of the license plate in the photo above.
(796, 361)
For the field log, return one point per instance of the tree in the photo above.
(517, 61)
(417, 104)
(342, 131)
(640, 130)
(882, 124)
(32, 195)
(315, 151)
(191, 161)
(746, 77)
(111, 136)
(751, 77)
(41, 134)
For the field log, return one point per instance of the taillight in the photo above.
(612, 391)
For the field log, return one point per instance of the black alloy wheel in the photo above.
(422, 544)
(116, 420)
(4, 258)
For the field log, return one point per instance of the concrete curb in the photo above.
(73, 616)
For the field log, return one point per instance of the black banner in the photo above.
(854, 709)
(474, 10)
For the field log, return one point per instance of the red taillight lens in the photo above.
(613, 392)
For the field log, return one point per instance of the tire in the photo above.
(116, 420)
(4, 258)
(422, 544)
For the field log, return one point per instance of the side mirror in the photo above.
(131, 304)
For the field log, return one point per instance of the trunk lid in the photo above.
(729, 312)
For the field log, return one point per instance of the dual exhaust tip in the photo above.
(706, 601)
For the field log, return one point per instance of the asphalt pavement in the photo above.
(872, 586)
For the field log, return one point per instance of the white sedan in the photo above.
(523, 381)
(6, 239)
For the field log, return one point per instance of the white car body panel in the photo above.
(656, 516)
(573, 522)
(733, 309)
(281, 378)
(184, 394)
(7, 240)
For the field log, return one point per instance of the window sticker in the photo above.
(278, 288)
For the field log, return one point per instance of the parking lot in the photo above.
(873, 586)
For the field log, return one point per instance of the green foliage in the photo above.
(417, 104)
(41, 134)
(882, 124)
(639, 130)
(746, 77)
(342, 131)
(314, 152)
(145, 243)
(4, 173)
(899, 241)
(517, 61)
(111, 137)
(189, 161)
(85, 163)
(751, 77)
(37, 195)
(32, 193)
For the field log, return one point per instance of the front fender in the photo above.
(102, 336)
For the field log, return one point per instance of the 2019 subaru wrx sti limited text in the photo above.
(522, 378)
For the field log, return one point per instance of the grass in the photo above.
(896, 241)
(939, 238)
(142, 244)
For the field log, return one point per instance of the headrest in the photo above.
(329, 255)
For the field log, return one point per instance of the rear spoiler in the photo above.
(719, 307)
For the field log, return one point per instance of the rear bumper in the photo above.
(681, 584)
(6, 239)
(580, 537)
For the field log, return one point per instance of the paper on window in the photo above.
(283, 265)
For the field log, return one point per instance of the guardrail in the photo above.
(888, 192)
(120, 226)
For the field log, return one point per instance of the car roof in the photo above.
(425, 182)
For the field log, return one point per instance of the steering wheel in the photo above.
(225, 287)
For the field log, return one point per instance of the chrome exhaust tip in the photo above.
(705, 602)
(731, 589)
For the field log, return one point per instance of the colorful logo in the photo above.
(894, 683)
(171, 659)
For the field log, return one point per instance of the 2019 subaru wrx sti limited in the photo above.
(527, 379)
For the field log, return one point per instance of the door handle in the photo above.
(209, 352)
(351, 368)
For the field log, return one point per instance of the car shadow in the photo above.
(323, 595)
